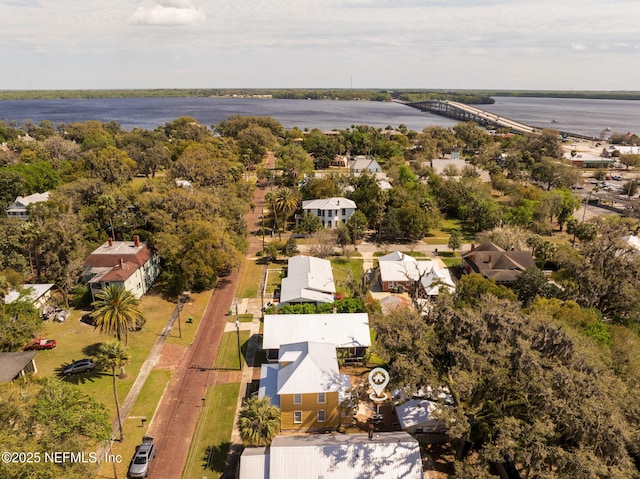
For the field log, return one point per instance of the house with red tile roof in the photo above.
(131, 264)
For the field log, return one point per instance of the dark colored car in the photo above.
(81, 366)
(41, 344)
(141, 460)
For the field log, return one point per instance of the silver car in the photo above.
(81, 366)
(141, 460)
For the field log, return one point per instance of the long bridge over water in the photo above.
(464, 112)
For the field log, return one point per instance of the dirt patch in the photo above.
(170, 356)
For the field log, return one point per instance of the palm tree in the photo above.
(258, 421)
(116, 312)
(283, 202)
(114, 355)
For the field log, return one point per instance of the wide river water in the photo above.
(587, 117)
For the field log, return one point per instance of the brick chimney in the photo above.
(110, 242)
(473, 247)
(136, 241)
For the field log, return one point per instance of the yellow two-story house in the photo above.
(307, 386)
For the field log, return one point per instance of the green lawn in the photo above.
(441, 235)
(77, 340)
(344, 270)
(451, 262)
(273, 278)
(227, 357)
(243, 318)
(212, 438)
(250, 280)
(133, 427)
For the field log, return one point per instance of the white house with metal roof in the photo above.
(388, 455)
(401, 271)
(18, 209)
(309, 280)
(331, 211)
(348, 331)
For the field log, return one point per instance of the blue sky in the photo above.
(493, 44)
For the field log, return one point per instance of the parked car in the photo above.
(81, 366)
(41, 344)
(141, 461)
(616, 177)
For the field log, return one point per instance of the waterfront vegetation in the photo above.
(498, 350)
(464, 96)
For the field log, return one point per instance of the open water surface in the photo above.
(587, 117)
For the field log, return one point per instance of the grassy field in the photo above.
(440, 236)
(250, 280)
(208, 451)
(193, 309)
(243, 318)
(344, 270)
(227, 357)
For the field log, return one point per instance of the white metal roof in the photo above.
(341, 329)
(309, 279)
(254, 463)
(34, 198)
(404, 270)
(314, 370)
(393, 455)
(333, 203)
(31, 292)
(397, 256)
(417, 412)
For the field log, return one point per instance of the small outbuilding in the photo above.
(15, 365)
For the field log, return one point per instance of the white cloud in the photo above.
(579, 47)
(167, 13)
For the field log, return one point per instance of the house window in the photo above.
(344, 212)
(322, 415)
(322, 398)
(297, 417)
(319, 213)
(297, 399)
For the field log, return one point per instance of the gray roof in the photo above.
(12, 363)
(342, 329)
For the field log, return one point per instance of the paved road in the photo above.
(175, 421)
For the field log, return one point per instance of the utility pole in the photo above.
(238, 335)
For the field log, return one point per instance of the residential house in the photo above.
(307, 386)
(331, 211)
(18, 209)
(348, 331)
(361, 163)
(15, 365)
(309, 280)
(131, 264)
(36, 294)
(399, 272)
(387, 455)
(493, 262)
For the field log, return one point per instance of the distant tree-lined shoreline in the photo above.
(465, 96)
